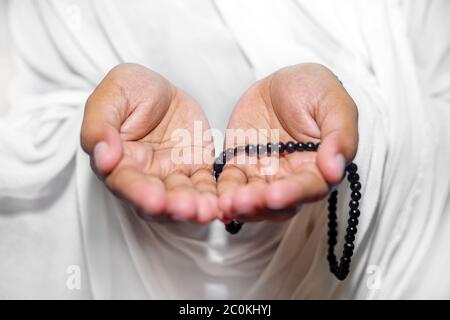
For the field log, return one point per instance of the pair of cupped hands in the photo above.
(128, 128)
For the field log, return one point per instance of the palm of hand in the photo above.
(163, 169)
(291, 105)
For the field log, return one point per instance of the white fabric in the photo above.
(4, 55)
(392, 56)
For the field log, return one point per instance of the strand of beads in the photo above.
(259, 150)
(341, 269)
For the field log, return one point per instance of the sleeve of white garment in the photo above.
(40, 133)
(403, 136)
(403, 160)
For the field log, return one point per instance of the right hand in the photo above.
(304, 102)
(128, 129)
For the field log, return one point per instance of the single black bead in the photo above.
(344, 268)
(354, 213)
(340, 275)
(353, 221)
(233, 227)
(239, 150)
(353, 204)
(280, 147)
(230, 154)
(349, 246)
(344, 264)
(290, 147)
(349, 237)
(218, 167)
(356, 195)
(250, 149)
(352, 168)
(261, 149)
(332, 233)
(353, 177)
(332, 259)
(310, 146)
(355, 186)
(348, 252)
(269, 148)
(300, 146)
(332, 224)
(219, 160)
(224, 157)
(332, 241)
(351, 230)
(345, 261)
(332, 207)
(333, 196)
(332, 200)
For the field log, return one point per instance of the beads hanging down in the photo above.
(341, 269)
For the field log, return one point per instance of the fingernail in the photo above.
(100, 152)
(340, 163)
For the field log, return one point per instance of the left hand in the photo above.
(140, 133)
(304, 102)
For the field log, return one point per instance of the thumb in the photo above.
(100, 138)
(339, 137)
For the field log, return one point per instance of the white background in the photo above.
(4, 54)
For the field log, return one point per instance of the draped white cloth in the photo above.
(392, 56)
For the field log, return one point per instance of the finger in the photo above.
(129, 102)
(207, 201)
(229, 180)
(339, 137)
(306, 184)
(204, 181)
(142, 191)
(249, 199)
(207, 208)
(105, 110)
(181, 196)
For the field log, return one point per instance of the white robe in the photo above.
(393, 58)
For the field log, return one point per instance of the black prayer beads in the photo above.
(341, 269)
